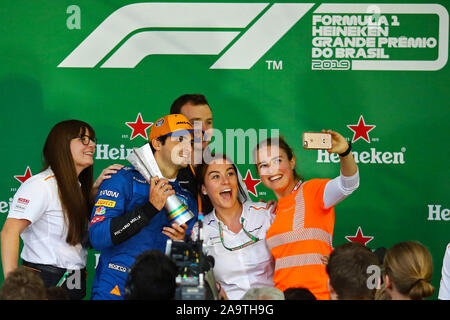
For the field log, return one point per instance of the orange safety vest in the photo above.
(300, 235)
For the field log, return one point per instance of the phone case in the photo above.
(316, 140)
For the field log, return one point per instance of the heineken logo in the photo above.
(437, 212)
(360, 130)
(25, 176)
(372, 156)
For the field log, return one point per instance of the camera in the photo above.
(195, 279)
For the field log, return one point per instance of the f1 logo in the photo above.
(268, 23)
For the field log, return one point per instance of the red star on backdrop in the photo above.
(361, 130)
(251, 183)
(359, 237)
(139, 127)
(25, 177)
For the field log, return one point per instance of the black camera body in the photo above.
(194, 269)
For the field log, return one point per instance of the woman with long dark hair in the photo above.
(234, 229)
(51, 210)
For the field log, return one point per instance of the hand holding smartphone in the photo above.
(316, 140)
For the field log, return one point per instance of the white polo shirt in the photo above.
(444, 288)
(44, 240)
(242, 269)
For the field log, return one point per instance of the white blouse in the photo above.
(241, 269)
(44, 240)
(444, 288)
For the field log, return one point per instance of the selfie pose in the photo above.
(301, 234)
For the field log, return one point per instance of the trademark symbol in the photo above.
(274, 65)
(263, 193)
(125, 136)
(375, 139)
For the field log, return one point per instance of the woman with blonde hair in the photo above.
(408, 270)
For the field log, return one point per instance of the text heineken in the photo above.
(435, 213)
(372, 156)
(104, 152)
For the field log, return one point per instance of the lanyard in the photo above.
(199, 199)
(252, 240)
(299, 183)
(63, 279)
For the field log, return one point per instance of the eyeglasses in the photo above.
(85, 139)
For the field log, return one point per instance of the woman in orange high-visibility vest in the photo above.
(302, 232)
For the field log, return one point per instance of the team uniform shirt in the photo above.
(44, 240)
(187, 180)
(245, 268)
(302, 233)
(123, 225)
(444, 288)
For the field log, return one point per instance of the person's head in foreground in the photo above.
(408, 268)
(349, 269)
(23, 284)
(152, 277)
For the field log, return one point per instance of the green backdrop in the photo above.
(378, 74)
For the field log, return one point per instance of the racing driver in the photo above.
(129, 216)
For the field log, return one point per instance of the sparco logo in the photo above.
(117, 267)
(268, 23)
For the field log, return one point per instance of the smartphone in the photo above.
(316, 140)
